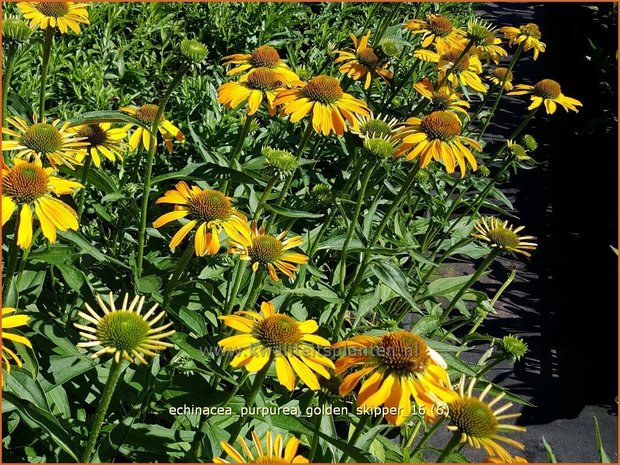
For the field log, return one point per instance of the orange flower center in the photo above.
(278, 331)
(453, 55)
(146, 113)
(53, 9)
(439, 25)
(42, 138)
(473, 417)
(440, 101)
(265, 56)
(547, 88)
(265, 249)
(500, 73)
(367, 57)
(441, 125)
(95, 135)
(403, 351)
(531, 30)
(25, 183)
(324, 89)
(210, 205)
(264, 79)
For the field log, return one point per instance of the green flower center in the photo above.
(504, 238)
(323, 89)
(42, 138)
(441, 125)
(15, 29)
(194, 50)
(278, 331)
(265, 249)
(25, 183)
(479, 33)
(439, 25)
(452, 55)
(122, 330)
(531, 30)
(368, 57)
(403, 351)
(375, 127)
(265, 56)
(281, 160)
(379, 147)
(264, 79)
(548, 89)
(514, 346)
(54, 9)
(210, 205)
(95, 135)
(146, 113)
(472, 417)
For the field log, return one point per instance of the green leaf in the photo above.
(425, 325)
(66, 367)
(392, 276)
(201, 171)
(446, 286)
(337, 242)
(106, 116)
(602, 455)
(550, 454)
(74, 278)
(324, 294)
(149, 284)
(87, 248)
(28, 389)
(290, 213)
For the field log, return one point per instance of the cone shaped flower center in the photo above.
(440, 101)
(146, 113)
(94, 134)
(473, 417)
(55, 9)
(379, 146)
(531, 30)
(441, 125)
(367, 57)
(440, 25)
(25, 183)
(42, 138)
(375, 127)
(547, 88)
(211, 205)
(452, 56)
(504, 238)
(265, 249)
(266, 56)
(278, 331)
(500, 73)
(264, 79)
(324, 89)
(403, 351)
(122, 330)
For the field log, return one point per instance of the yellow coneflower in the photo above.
(258, 84)
(375, 126)
(438, 136)
(478, 424)
(498, 75)
(364, 62)
(264, 56)
(50, 140)
(273, 453)
(490, 50)
(443, 99)
(61, 15)
(211, 210)
(268, 251)
(270, 336)
(549, 93)
(398, 366)
(28, 185)
(529, 34)
(437, 30)
(10, 322)
(102, 139)
(500, 235)
(146, 114)
(464, 73)
(329, 105)
(124, 332)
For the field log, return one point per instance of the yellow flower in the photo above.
(438, 136)
(438, 31)
(329, 105)
(63, 15)
(490, 50)
(442, 99)
(272, 454)
(466, 71)
(211, 210)
(27, 185)
(268, 251)
(498, 75)
(258, 84)
(398, 366)
(529, 34)
(549, 93)
(268, 336)
(500, 235)
(146, 114)
(9, 322)
(264, 56)
(478, 424)
(57, 143)
(124, 332)
(102, 139)
(364, 62)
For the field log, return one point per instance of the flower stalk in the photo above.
(234, 158)
(11, 264)
(47, 46)
(174, 279)
(84, 182)
(6, 79)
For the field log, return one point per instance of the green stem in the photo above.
(47, 46)
(427, 436)
(104, 402)
(263, 199)
(232, 298)
(12, 262)
(359, 428)
(488, 367)
(454, 442)
(234, 158)
(174, 279)
(481, 107)
(149, 167)
(455, 65)
(6, 79)
(257, 285)
(84, 182)
(315, 438)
